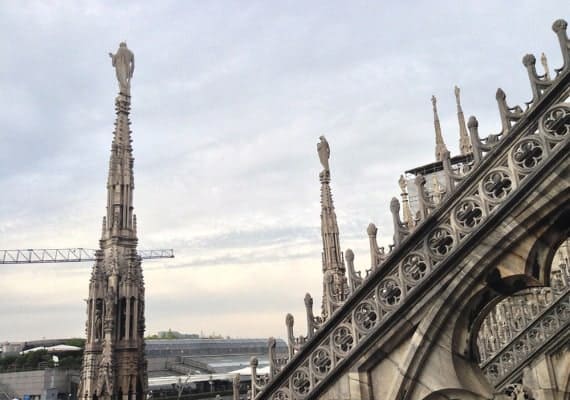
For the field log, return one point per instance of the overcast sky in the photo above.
(228, 101)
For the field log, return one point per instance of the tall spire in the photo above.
(114, 365)
(333, 262)
(120, 182)
(464, 141)
(440, 147)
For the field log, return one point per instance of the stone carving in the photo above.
(324, 152)
(520, 324)
(124, 63)
(491, 182)
(110, 304)
(517, 391)
(98, 325)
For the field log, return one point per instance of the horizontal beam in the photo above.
(78, 254)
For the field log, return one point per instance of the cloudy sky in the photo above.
(229, 99)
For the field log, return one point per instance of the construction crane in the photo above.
(78, 254)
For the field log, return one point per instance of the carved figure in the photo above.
(97, 324)
(324, 152)
(434, 103)
(124, 63)
(110, 303)
(457, 94)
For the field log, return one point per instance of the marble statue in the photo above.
(124, 63)
(324, 152)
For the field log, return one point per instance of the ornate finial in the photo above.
(124, 63)
(394, 205)
(324, 152)
(439, 143)
(559, 25)
(434, 106)
(308, 300)
(544, 62)
(473, 123)
(372, 230)
(501, 95)
(408, 218)
(289, 320)
(402, 183)
(464, 142)
(457, 96)
(349, 255)
(271, 342)
(253, 362)
(529, 60)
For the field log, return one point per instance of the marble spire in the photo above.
(114, 365)
(440, 147)
(332, 258)
(464, 141)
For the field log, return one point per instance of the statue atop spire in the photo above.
(434, 106)
(124, 63)
(457, 92)
(440, 147)
(324, 152)
(333, 263)
(544, 62)
(464, 141)
(114, 365)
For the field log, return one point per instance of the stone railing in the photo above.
(516, 313)
(517, 153)
(551, 323)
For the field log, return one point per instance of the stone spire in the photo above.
(114, 365)
(333, 262)
(407, 212)
(440, 147)
(464, 141)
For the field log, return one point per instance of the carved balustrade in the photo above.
(511, 358)
(516, 313)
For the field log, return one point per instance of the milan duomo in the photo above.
(470, 302)
(114, 365)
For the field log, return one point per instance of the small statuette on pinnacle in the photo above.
(324, 152)
(457, 95)
(349, 255)
(434, 103)
(403, 184)
(124, 63)
(371, 230)
(544, 62)
(394, 205)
